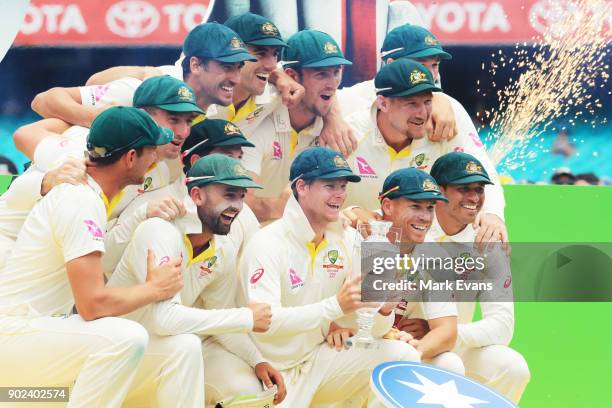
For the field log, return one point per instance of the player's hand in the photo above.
(417, 328)
(338, 135)
(167, 208)
(396, 334)
(166, 278)
(349, 296)
(270, 376)
(442, 124)
(72, 171)
(337, 336)
(387, 308)
(357, 216)
(262, 316)
(290, 91)
(491, 228)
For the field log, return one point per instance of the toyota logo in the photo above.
(132, 18)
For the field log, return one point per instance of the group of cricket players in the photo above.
(202, 248)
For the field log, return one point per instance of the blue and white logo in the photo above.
(403, 384)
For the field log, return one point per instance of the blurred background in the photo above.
(63, 42)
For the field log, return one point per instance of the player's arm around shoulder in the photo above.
(113, 73)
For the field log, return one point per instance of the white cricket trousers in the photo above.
(226, 374)
(171, 374)
(341, 378)
(100, 357)
(499, 367)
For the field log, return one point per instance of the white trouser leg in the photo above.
(342, 378)
(499, 367)
(226, 374)
(171, 374)
(448, 361)
(101, 356)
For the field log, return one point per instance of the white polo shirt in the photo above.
(66, 224)
(497, 323)
(374, 160)
(282, 267)
(276, 145)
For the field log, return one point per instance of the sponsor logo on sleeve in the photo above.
(95, 231)
(256, 276)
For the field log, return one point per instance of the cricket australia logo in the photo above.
(269, 29)
(185, 94)
(429, 185)
(417, 76)
(231, 129)
(296, 281)
(236, 43)
(419, 161)
(472, 167)
(146, 185)
(430, 40)
(333, 266)
(330, 48)
(206, 266)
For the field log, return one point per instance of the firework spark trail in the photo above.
(559, 75)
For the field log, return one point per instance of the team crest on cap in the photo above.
(236, 43)
(185, 94)
(430, 40)
(429, 185)
(269, 29)
(417, 76)
(472, 167)
(231, 129)
(330, 48)
(339, 161)
(239, 170)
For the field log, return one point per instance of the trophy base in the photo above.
(362, 343)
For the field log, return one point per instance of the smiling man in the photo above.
(286, 265)
(216, 186)
(483, 344)
(408, 199)
(393, 135)
(314, 60)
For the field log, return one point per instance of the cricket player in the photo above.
(205, 306)
(299, 265)
(256, 30)
(407, 199)
(314, 60)
(207, 137)
(482, 344)
(56, 264)
(171, 104)
(393, 136)
(253, 95)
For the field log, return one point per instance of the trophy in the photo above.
(381, 240)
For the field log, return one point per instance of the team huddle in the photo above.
(202, 250)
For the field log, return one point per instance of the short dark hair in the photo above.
(294, 188)
(10, 166)
(114, 158)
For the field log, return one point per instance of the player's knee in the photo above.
(189, 347)
(399, 350)
(516, 368)
(449, 361)
(130, 335)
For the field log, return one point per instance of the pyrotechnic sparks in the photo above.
(559, 73)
